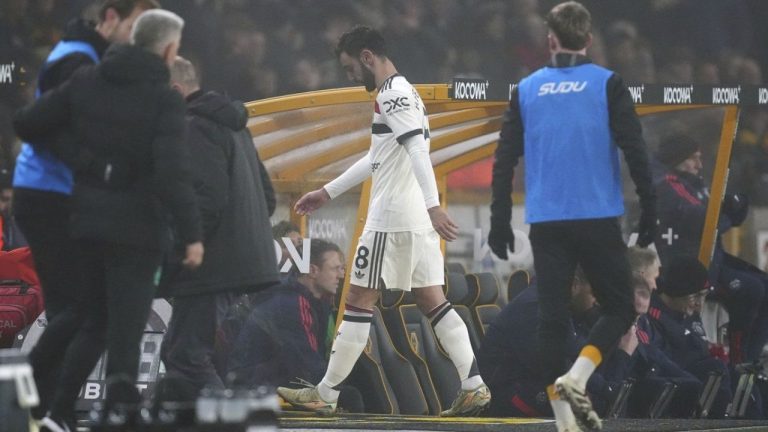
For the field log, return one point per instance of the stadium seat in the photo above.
(390, 303)
(454, 267)
(518, 281)
(458, 294)
(369, 377)
(413, 336)
(398, 370)
(484, 307)
(422, 339)
(485, 314)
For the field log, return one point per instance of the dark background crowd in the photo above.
(261, 48)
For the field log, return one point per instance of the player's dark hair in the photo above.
(124, 8)
(359, 38)
(282, 228)
(317, 250)
(571, 22)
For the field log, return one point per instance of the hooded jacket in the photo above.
(123, 111)
(235, 197)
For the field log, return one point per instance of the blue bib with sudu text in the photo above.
(572, 168)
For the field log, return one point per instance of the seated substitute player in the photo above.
(399, 247)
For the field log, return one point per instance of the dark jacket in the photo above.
(682, 208)
(673, 334)
(236, 200)
(285, 337)
(124, 111)
(650, 361)
(508, 357)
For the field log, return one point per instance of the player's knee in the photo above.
(360, 297)
(429, 298)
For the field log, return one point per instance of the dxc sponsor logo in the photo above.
(726, 95)
(678, 95)
(637, 93)
(400, 103)
(471, 90)
(562, 87)
(301, 260)
(762, 96)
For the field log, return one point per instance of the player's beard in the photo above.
(369, 81)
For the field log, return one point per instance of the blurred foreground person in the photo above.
(122, 111)
(43, 187)
(566, 116)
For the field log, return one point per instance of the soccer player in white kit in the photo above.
(400, 244)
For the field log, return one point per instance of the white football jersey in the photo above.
(397, 203)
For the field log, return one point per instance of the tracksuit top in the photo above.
(37, 168)
(572, 168)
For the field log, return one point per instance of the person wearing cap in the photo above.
(683, 197)
(672, 325)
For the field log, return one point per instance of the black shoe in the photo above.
(122, 404)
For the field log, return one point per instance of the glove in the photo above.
(736, 207)
(501, 238)
(647, 227)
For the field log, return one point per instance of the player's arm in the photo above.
(511, 145)
(628, 135)
(417, 149)
(353, 176)
(407, 124)
(43, 119)
(508, 151)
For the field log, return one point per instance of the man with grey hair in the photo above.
(122, 111)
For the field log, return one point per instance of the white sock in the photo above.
(347, 346)
(588, 360)
(563, 414)
(454, 337)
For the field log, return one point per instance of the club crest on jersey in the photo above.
(375, 166)
(396, 105)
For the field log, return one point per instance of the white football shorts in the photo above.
(398, 260)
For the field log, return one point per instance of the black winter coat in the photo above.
(123, 111)
(236, 199)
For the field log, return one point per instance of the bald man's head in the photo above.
(184, 78)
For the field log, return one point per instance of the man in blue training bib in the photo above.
(569, 119)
